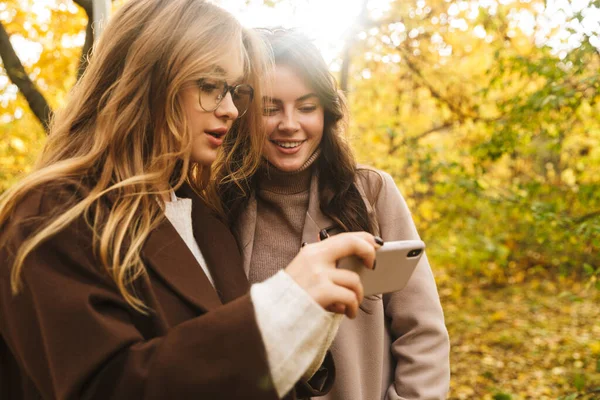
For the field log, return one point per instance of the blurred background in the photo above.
(486, 113)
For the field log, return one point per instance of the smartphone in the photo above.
(395, 264)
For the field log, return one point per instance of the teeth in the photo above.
(288, 145)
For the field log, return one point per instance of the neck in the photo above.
(287, 182)
(307, 164)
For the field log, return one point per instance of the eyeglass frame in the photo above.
(226, 89)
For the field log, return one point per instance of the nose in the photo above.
(226, 108)
(288, 122)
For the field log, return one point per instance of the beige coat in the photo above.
(397, 347)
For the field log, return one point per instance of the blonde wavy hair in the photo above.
(123, 137)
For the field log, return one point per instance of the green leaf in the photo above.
(589, 270)
(579, 382)
(572, 396)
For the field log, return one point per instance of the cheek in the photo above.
(270, 123)
(191, 109)
(189, 100)
(315, 127)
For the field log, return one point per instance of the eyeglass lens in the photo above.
(212, 93)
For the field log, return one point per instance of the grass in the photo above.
(533, 340)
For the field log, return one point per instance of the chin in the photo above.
(205, 160)
(288, 166)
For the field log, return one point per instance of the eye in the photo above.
(307, 108)
(209, 87)
(270, 110)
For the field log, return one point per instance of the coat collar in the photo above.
(314, 221)
(168, 256)
(219, 249)
(244, 229)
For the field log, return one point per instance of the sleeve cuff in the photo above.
(293, 327)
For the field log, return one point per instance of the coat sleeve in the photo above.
(74, 336)
(321, 381)
(420, 344)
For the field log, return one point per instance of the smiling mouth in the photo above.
(287, 145)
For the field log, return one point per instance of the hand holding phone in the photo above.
(395, 263)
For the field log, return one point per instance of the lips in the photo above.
(287, 148)
(216, 136)
(287, 144)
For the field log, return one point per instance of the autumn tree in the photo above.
(485, 113)
(44, 49)
(489, 124)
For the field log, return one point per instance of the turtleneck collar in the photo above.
(287, 182)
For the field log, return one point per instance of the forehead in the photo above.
(288, 85)
(230, 68)
(230, 75)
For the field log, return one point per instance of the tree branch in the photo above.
(350, 40)
(462, 115)
(587, 216)
(16, 73)
(86, 49)
(346, 57)
(88, 7)
(406, 140)
(429, 86)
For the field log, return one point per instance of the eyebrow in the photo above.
(222, 71)
(301, 98)
(239, 80)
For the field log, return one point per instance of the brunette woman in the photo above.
(309, 186)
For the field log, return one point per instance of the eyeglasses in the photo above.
(213, 91)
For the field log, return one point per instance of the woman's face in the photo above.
(210, 127)
(294, 119)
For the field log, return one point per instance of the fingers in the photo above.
(349, 280)
(360, 244)
(342, 295)
(337, 308)
(314, 270)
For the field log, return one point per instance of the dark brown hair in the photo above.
(339, 197)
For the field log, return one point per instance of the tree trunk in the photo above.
(88, 7)
(350, 41)
(16, 73)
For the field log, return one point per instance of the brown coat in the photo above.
(69, 334)
(397, 347)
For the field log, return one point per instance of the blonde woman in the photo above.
(309, 186)
(116, 281)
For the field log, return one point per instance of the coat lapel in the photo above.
(245, 228)
(168, 256)
(369, 204)
(219, 249)
(315, 220)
